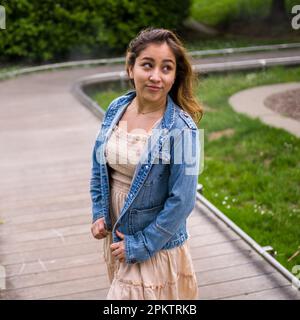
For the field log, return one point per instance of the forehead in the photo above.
(158, 52)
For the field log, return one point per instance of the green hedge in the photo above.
(124, 18)
(45, 30)
(50, 30)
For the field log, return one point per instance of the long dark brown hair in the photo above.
(182, 91)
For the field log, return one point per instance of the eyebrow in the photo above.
(151, 59)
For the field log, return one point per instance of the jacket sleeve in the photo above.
(181, 200)
(95, 181)
(95, 184)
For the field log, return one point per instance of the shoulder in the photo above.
(116, 104)
(183, 120)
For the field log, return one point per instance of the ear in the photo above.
(130, 72)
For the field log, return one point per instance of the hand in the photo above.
(118, 248)
(98, 229)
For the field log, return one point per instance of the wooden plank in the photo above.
(65, 262)
(47, 234)
(60, 204)
(12, 186)
(46, 216)
(223, 261)
(39, 226)
(241, 286)
(37, 193)
(211, 238)
(86, 295)
(237, 272)
(41, 255)
(59, 199)
(56, 289)
(46, 244)
(55, 276)
(281, 293)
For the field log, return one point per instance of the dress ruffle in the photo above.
(168, 275)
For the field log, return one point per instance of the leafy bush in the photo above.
(123, 19)
(58, 30)
(44, 30)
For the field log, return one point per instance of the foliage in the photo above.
(123, 19)
(43, 30)
(47, 30)
(223, 12)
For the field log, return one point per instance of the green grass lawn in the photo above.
(246, 18)
(251, 171)
(215, 12)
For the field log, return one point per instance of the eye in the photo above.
(167, 68)
(146, 65)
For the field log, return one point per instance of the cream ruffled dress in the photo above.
(167, 275)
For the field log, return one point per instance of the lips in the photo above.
(154, 88)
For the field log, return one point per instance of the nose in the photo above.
(155, 75)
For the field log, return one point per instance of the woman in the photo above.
(145, 173)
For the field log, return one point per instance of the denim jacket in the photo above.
(163, 189)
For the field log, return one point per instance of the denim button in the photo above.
(146, 167)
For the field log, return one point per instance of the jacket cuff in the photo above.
(135, 250)
(97, 216)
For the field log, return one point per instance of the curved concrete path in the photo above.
(251, 102)
(46, 247)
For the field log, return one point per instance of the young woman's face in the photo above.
(154, 72)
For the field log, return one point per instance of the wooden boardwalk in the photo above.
(46, 248)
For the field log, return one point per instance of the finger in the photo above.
(114, 246)
(98, 236)
(104, 232)
(117, 252)
(101, 228)
(98, 232)
(94, 231)
(120, 256)
(120, 234)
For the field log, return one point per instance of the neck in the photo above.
(143, 106)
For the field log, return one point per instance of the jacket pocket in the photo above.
(140, 219)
